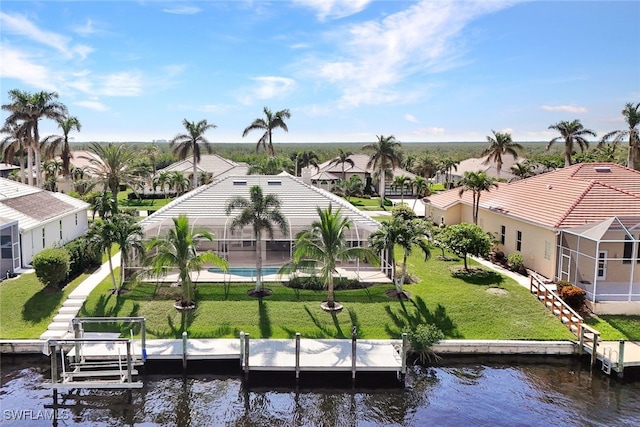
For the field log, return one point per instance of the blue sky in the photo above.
(348, 70)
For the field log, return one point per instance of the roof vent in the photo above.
(549, 187)
(602, 168)
(239, 182)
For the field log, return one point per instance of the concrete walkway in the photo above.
(61, 324)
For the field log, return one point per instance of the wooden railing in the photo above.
(556, 305)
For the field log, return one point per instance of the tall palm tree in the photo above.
(128, 234)
(342, 158)
(523, 170)
(29, 108)
(401, 181)
(499, 144)
(14, 144)
(349, 187)
(447, 166)
(268, 124)
(53, 142)
(631, 115)
(162, 180)
(261, 213)
(103, 205)
(115, 165)
(178, 182)
(325, 244)
(476, 182)
(421, 186)
(102, 236)
(305, 159)
(385, 155)
(572, 133)
(190, 142)
(178, 250)
(272, 165)
(424, 165)
(406, 233)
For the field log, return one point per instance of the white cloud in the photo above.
(121, 84)
(267, 87)
(85, 30)
(17, 65)
(94, 105)
(82, 50)
(432, 131)
(183, 10)
(564, 108)
(374, 57)
(20, 25)
(334, 9)
(410, 118)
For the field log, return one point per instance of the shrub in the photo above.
(403, 211)
(52, 267)
(515, 261)
(315, 283)
(82, 256)
(561, 284)
(573, 296)
(422, 338)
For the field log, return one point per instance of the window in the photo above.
(44, 242)
(628, 250)
(602, 265)
(76, 219)
(503, 233)
(60, 229)
(547, 249)
(518, 241)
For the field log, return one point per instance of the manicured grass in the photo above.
(613, 328)
(26, 308)
(461, 309)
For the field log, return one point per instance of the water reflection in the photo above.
(556, 392)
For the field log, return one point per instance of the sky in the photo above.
(347, 70)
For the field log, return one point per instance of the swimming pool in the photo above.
(246, 271)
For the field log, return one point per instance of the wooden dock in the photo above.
(614, 355)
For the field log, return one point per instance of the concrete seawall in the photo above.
(479, 347)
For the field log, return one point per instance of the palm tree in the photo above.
(305, 159)
(500, 144)
(115, 165)
(324, 244)
(349, 187)
(151, 152)
(162, 180)
(272, 165)
(385, 155)
(401, 181)
(343, 157)
(571, 132)
(406, 233)
(14, 144)
(476, 182)
(53, 142)
(631, 115)
(421, 186)
(102, 236)
(178, 250)
(190, 143)
(424, 165)
(447, 166)
(272, 122)
(261, 213)
(27, 108)
(104, 204)
(523, 170)
(178, 182)
(128, 234)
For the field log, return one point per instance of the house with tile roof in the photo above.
(32, 219)
(580, 223)
(214, 165)
(482, 164)
(206, 208)
(328, 174)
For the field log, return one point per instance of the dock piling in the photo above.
(54, 361)
(246, 356)
(621, 359)
(354, 337)
(594, 353)
(184, 350)
(297, 356)
(405, 346)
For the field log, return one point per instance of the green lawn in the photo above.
(26, 308)
(462, 310)
(616, 327)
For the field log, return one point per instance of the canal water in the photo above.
(523, 392)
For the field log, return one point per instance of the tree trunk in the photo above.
(195, 170)
(259, 262)
(382, 187)
(400, 282)
(30, 165)
(113, 276)
(331, 301)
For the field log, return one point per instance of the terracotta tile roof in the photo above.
(576, 195)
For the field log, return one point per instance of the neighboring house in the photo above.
(206, 208)
(328, 174)
(79, 159)
(480, 164)
(42, 219)
(6, 169)
(218, 167)
(580, 223)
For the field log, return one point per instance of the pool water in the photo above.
(246, 271)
